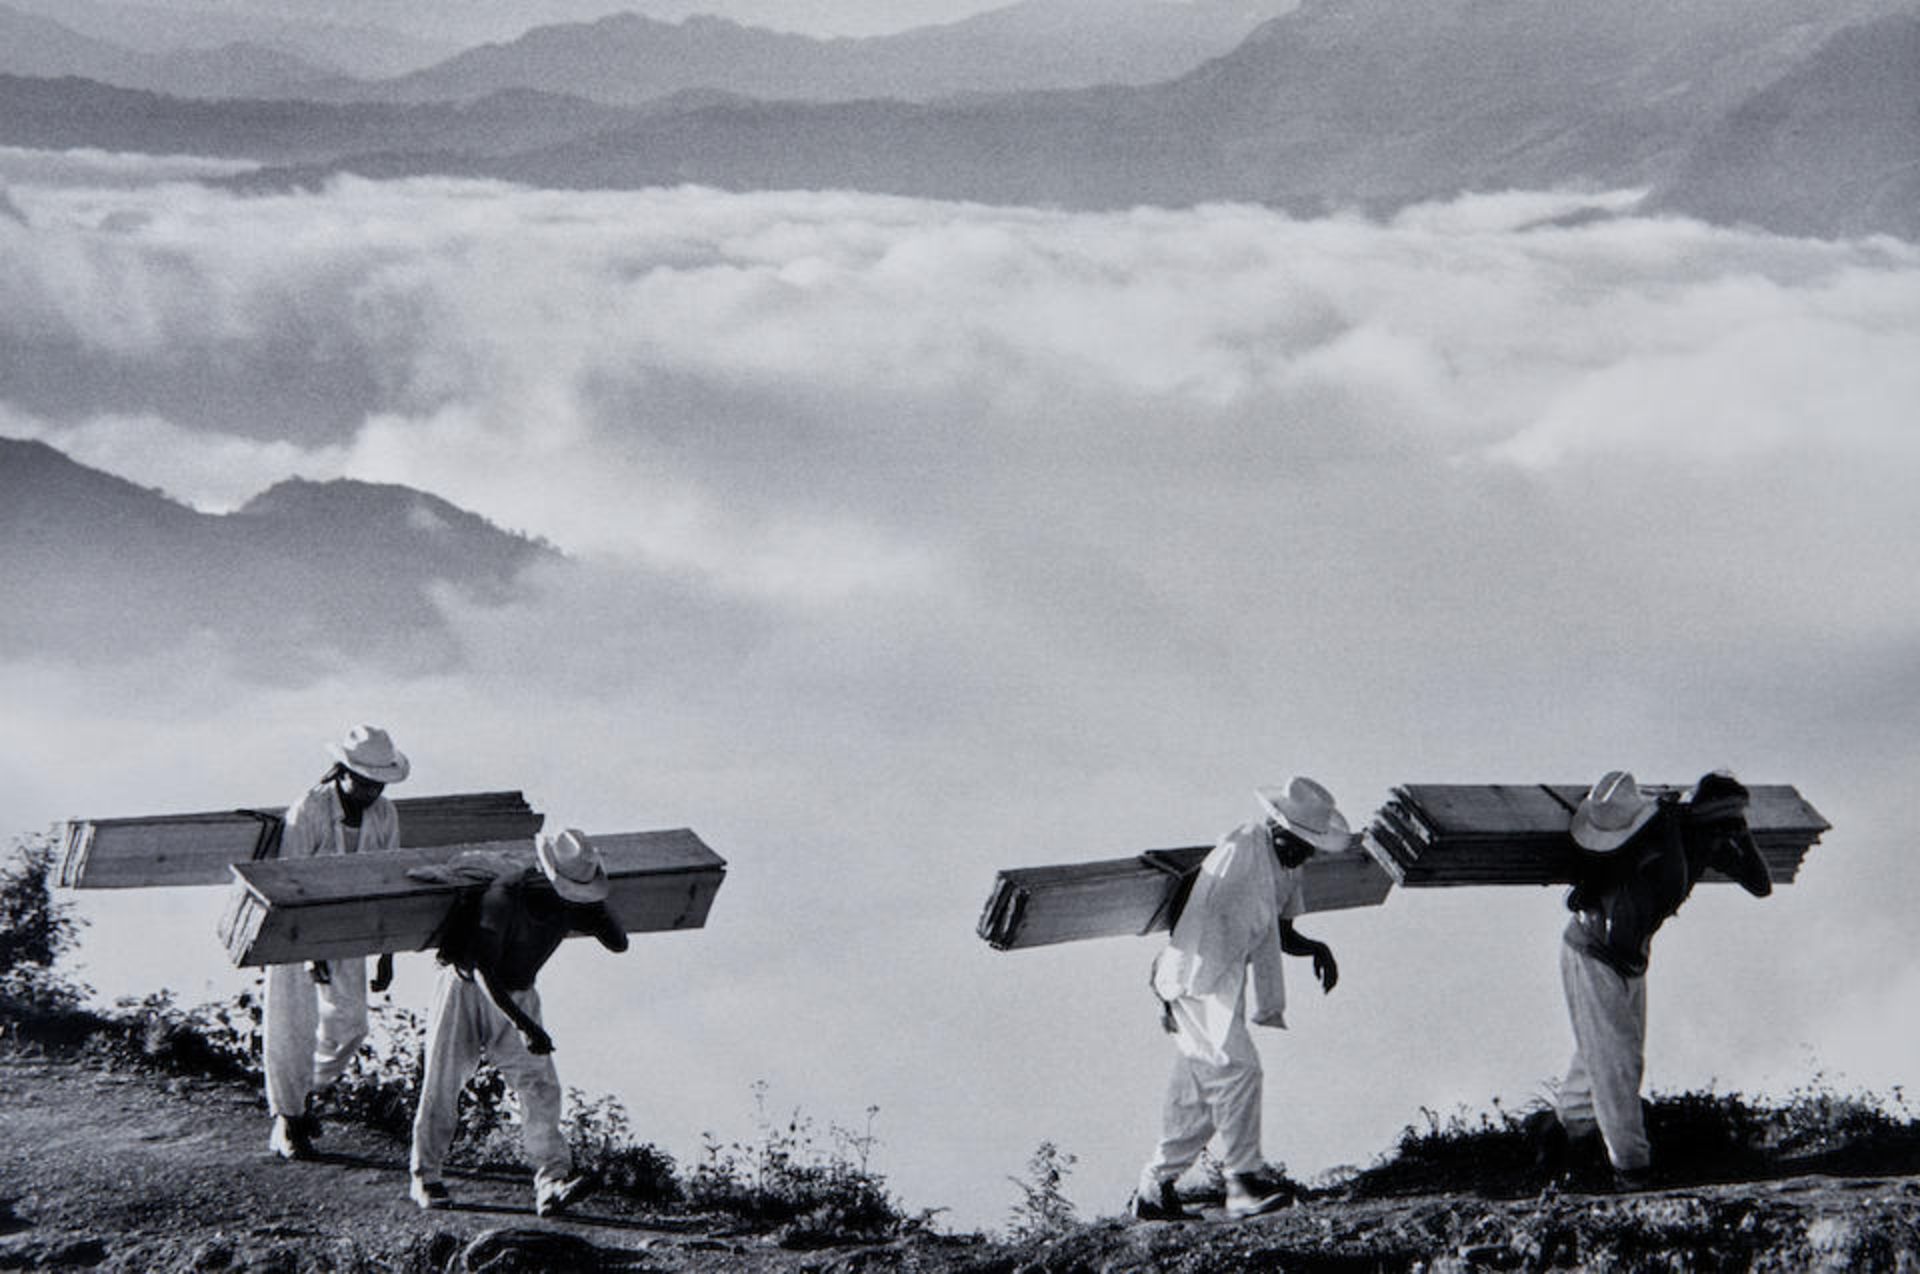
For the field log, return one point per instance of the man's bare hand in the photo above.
(1324, 967)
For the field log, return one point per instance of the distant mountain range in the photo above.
(305, 573)
(1829, 148)
(35, 45)
(629, 60)
(1794, 114)
(333, 47)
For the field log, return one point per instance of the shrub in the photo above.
(820, 1193)
(35, 932)
(1043, 1208)
(601, 1137)
(1698, 1137)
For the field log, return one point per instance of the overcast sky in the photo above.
(915, 540)
(467, 22)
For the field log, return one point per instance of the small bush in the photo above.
(1698, 1137)
(1043, 1208)
(381, 1086)
(36, 931)
(822, 1193)
(601, 1137)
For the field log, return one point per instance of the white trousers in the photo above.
(1215, 1088)
(312, 1031)
(463, 1023)
(1602, 1087)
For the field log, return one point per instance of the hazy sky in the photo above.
(466, 22)
(916, 540)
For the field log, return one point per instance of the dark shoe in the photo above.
(289, 1139)
(1546, 1139)
(563, 1194)
(430, 1195)
(1632, 1180)
(1256, 1194)
(1165, 1206)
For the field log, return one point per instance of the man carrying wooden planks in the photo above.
(500, 936)
(316, 1012)
(1640, 859)
(1222, 957)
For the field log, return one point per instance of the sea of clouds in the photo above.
(912, 540)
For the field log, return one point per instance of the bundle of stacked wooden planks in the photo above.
(1441, 834)
(198, 849)
(1127, 897)
(358, 904)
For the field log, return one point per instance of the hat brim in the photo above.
(393, 773)
(594, 890)
(1335, 838)
(1604, 840)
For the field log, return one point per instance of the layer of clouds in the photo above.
(915, 540)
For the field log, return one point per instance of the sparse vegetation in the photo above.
(1043, 1208)
(35, 932)
(816, 1192)
(1698, 1137)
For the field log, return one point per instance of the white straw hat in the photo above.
(369, 752)
(1308, 811)
(1611, 812)
(572, 863)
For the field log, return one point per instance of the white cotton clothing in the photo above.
(1222, 957)
(312, 1031)
(1206, 1096)
(463, 1024)
(1602, 1089)
(1226, 946)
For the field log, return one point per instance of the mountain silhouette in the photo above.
(35, 45)
(1339, 104)
(628, 59)
(1831, 148)
(304, 576)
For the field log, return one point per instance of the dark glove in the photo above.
(320, 972)
(382, 973)
(539, 1043)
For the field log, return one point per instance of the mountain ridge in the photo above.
(304, 571)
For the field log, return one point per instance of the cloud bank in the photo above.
(913, 540)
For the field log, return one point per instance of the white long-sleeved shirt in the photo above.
(1228, 938)
(317, 825)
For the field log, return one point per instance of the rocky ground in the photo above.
(118, 1171)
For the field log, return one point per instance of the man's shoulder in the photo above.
(1249, 835)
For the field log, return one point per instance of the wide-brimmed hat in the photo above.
(572, 863)
(369, 752)
(1308, 811)
(1611, 812)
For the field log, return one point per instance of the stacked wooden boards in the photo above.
(1121, 897)
(1440, 834)
(197, 849)
(321, 908)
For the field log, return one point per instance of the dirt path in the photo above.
(130, 1172)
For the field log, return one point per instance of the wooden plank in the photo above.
(1449, 835)
(197, 849)
(1127, 897)
(1453, 809)
(322, 908)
